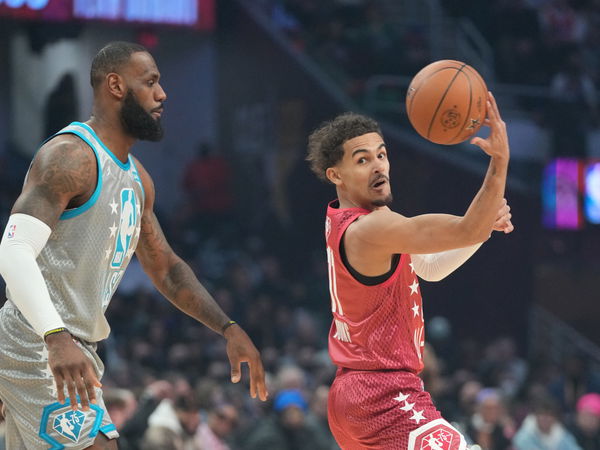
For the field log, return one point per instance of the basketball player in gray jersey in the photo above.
(86, 207)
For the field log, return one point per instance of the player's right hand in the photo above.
(496, 144)
(72, 370)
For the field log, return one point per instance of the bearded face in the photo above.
(138, 122)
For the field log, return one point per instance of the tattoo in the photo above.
(152, 240)
(62, 175)
(174, 278)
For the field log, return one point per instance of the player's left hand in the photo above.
(241, 349)
(503, 222)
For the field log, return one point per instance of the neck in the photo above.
(347, 202)
(109, 129)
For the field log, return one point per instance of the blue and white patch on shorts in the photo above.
(60, 423)
(69, 424)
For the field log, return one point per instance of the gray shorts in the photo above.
(34, 418)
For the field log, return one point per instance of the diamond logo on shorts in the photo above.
(69, 424)
(437, 440)
(436, 435)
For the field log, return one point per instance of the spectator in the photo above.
(286, 429)
(543, 430)
(214, 433)
(586, 428)
(208, 185)
(490, 426)
(576, 379)
(173, 425)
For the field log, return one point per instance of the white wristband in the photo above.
(22, 241)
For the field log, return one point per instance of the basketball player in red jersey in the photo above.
(374, 255)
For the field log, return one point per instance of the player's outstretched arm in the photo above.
(177, 282)
(385, 232)
(62, 175)
(437, 266)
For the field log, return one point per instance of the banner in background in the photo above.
(199, 14)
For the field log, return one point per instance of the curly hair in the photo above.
(325, 144)
(111, 58)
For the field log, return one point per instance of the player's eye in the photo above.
(151, 82)
(381, 155)
(361, 160)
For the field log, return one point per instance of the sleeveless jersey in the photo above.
(91, 245)
(374, 327)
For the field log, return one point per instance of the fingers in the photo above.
(82, 382)
(60, 387)
(257, 381)
(91, 383)
(494, 105)
(235, 371)
(481, 143)
(70, 383)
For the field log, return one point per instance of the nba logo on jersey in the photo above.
(127, 223)
(436, 435)
(69, 424)
(11, 231)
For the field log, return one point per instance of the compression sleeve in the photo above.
(437, 266)
(22, 241)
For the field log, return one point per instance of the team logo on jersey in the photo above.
(69, 424)
(11, 231)
(436, 435)
(126, 230)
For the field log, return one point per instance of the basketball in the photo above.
(446, 102)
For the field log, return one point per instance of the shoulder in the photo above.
(65, 162)
(375, 221)
(65, 150)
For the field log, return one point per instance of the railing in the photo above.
(386, 94)
(553, 340)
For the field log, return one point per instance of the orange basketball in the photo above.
(446, 102)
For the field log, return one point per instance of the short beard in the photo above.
(137, 122)
(385, 202)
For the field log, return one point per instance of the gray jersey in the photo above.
(91, 245)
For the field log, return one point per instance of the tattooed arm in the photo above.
(177, 282)
(63, 175)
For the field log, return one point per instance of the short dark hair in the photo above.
(110, 59)
(325, 144)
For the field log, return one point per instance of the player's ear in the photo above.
(333, 175)
(116, 85)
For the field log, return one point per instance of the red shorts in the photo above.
(387, 410)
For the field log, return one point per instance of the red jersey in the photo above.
(375, 327)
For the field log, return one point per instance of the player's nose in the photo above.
(160, 95)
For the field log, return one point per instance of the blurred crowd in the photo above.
(551, 44)
(167, 381)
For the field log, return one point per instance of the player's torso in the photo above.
(377, 326)
(91, 246)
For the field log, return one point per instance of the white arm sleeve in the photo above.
(23, 240)
(437, 266)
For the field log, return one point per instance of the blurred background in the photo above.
(512, 336)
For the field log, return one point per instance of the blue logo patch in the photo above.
(69, 424)
(127, 224)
